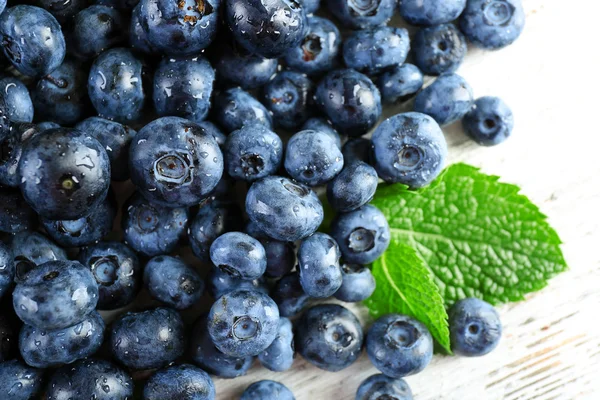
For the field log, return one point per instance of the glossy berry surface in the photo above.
(288, 96)
(220, 283)
(289, 295)
(319, 265)
(31, 249)
(409, 148)
(239, 255)
(212, 220)
(357, 14)
(279, 356)
(7, 269)
(62, 11)
(249, 71)
(354, 187)
(329, 336)
(492, 24)
(15, 100)
(324, 126)
(446, 100)
(267, 390)
(13, 141)
(475, 327)
(20, 381)
(281, 256)
(313, 158)
(399, 345)
(372, 51)
(431, 12)
(379, 386)
(399, 82)
(357, 149)
(489, 122)
(439, 49)
(184, 382)
(233, 108)
(98, 28)
(358, 284)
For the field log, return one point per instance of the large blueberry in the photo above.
(379, 386)
(289, 97)
(267, 390)
(279, 356)
(446, 100)
(475, 327)
(15, 100)
(489, 122)
(354, 187)
(233, 108)
(372, 51)
(184, 382)
(289, 295)
(220, 283)
(31, 249)
(15, 214)
(399, 82)
(319, 265)
(12, 142)
(362, 14)
(212, 220)
(431, 12)
(492, 24)
(98, 28)
(238, 67)
(239, 255)
(281, 256)
(358, 284)
(19, 381)
(439, 49)
(7, 269)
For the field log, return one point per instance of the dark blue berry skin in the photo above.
(431, 12)
(117, 271)
(350, 100)
(213, 220)
(399, 82)
(10, 325)
(372, 51)
(183, 87)
(475, 327)
(239, 255)
(148, 339)
(65, 174)
(357, 149)
(281, 256)
(358, 284)
(318, 51)
(47, 125)
(329, 336)
(115, 138)
(150, 229)
(98, 28)
(43, 349)
(15, 100)
(489, 122)
(252, 152)
(409, 148)
(353, 187)
(180, 382)
(61, 96)
(362, 14)
(379, 386)
(267, 390)
(138, 36)
(13, 142)
(220, 283)
(310, 6)
(213, 130)
(7, 270)
(19, 381)
(323, 126)
(283, 209)
(289, 97)
(289, 295)
(32, 40)
(243, 323)
(63, 11)
(30, 249)
(363, 234)
(175, 162)
(268, 29)
(15, 214)
(55, 295)
(171, 281)
(86, 230)
(399, 345)
(492, 24)
(313, 158)
(238, 67)
(279, 356)
(124, 5)
(90, 379)
(212, 360)
(233, 108)
(319, 266)
(179, 29)
(439, 49)
(446, 100)
(115, 85)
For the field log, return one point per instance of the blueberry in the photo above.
(399, 345)
(399, 82)
(447, 99)
(353, 187)
(233, 108)
(212, 129)
(409, 148)
(90, 379)
(268, 29)
(289, 295)
(41, 348)
(220, 283)
(358, 284)
(357, 149)
(115, 138)
(243, 323)
(12, 142)
(475, 327)
(363, 234)
(7, 270)
(31, 249)
(47, 125)
(61, 96)
(492, 24)
(279, 356)
(379, 386)
(148, 339)
(238, 67)
(362, 14)
(318, 51)
(489, 122)
(439, 49)
(55, 295)
(310, 6)
(281, 256)
(117, 271)
(319, 267)
(252, 152)
(65, 174)
(183, 87)
(171, 281)
(124, 5)
(239, 255)
(15, 214)
(175, 162)
(282, 209)
(151, 229)
(350, 100)
(184, 382)
(431, 12)
(32, 40)
(15, 100)
(267, 390)
(374, 50)
(213, 220)
(85, 230)
(20, 381)
(323, 126)
(208, 357)
(98, 28)
(115, 85)
(289, 97)
(179, 28)
(329, 336)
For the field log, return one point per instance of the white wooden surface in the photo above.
(551, 346)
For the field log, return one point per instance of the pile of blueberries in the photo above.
(121, 92)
